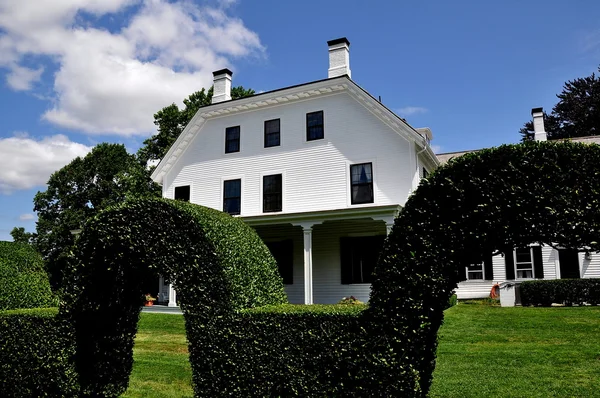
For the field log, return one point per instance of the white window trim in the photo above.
(532, 264)
(482, 273)
(222, 191)
(191, 185)
(306, 141)
(283, 190)
(267, 118)
(349, 183)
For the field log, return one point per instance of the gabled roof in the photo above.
(289, 95)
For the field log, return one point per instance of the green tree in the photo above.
(171, 122)
(577, 113)
(20, 236)
(104, 177)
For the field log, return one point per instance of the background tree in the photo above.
(20, 236)
(577, 113)
(104, 177)
(171, 121)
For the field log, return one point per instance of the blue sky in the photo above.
(74, 75)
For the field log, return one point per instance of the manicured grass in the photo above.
(489, 351)
(161, 367)
(484, 351)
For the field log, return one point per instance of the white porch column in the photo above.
(172, 296)
(388, 227)
(308, 271)
(308, 277)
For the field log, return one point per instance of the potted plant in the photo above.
(149, 300)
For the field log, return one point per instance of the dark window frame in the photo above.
(272, 201)
(311, 128)
(232, 144)
(185, 193)
(358, 258)
(283, 252)
(228, 199)
(272, 133)
(359, 185)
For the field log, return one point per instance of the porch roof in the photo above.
(385, 213)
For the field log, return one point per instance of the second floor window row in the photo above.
(315, 130)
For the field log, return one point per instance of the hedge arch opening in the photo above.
(217, 263)
(481, 203)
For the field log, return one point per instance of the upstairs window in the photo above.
(425, 173)
(232, 139)
(272, 198)
(232, 196)
(358, 257)
(314, 126)
(361, 181)
(182, 193)
(272, 133)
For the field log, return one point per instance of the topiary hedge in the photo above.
(560, 291)
(477, 205)
(217, 263)
(23, 281)
(35, 355)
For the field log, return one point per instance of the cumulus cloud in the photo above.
(22, 78)
(112, 82)
(26, 217)
(27, 162)
(411, 110)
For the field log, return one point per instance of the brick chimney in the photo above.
(339, 57)
(538, 124)
(221, 85)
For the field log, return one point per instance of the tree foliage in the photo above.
(20, 236)
(105, 177)
(577, 113)
(171, 122)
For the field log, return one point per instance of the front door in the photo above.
(569, 264)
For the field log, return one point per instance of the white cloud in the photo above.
(22, 79)
(411, 110)
(112, 82)
(26, 217)
(27, 162)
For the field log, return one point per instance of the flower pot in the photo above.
(149, 303)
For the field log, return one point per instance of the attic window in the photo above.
(232, 139)
(314, 126)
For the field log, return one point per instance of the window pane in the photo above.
(182, 193)
(314, 125)
(361, 179)
(475, 267)
(272, 126)
(232, 139)
(523, 255)
(272, 193)
(475, 275)
(359, 258)
(525, 274)
(361, 173)
(272, 139)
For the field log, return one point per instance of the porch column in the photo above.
(308, 277)
(388, 227)
(172, 296)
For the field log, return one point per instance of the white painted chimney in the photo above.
(538, 124)
(339, 57)
(221, 85)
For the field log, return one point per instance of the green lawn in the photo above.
(484, 351)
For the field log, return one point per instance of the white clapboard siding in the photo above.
(315, 173)
(327, 286)
(590, 268)
(550, 258)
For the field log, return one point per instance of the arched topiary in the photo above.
(217, 263)
(478, 204)
(23, 281)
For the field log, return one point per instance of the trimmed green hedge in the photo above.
(23, 281)
(217, 263)
(560, 291)
(35, 355)
(291, 350)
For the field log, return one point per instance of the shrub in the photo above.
(560, 291)
(35, 355)
(291, 350)
(217, 263)
(452, 301)
(23, 281)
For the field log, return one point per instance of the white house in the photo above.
(534, 262)
(319, 169)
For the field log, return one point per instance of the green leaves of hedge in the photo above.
(23, 281)
(478, 204)
(561, 291)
